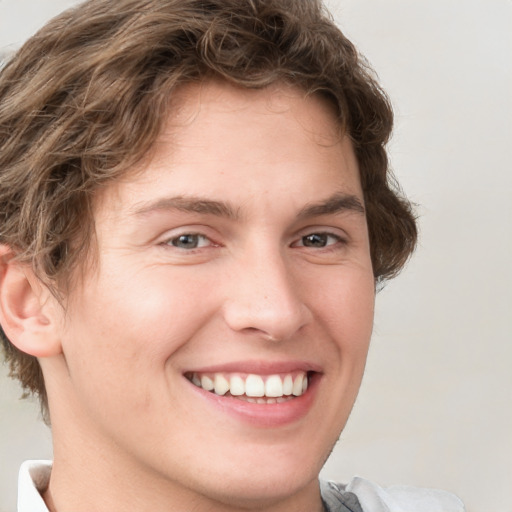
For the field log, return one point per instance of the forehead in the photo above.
(214, 129)
(218, 101)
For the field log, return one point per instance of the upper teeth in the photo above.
(252, 385)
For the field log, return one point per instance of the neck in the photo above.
(89, 477)
(66, 494)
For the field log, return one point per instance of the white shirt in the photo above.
(35, 475)
(398, 498)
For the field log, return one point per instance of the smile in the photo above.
(253, 388)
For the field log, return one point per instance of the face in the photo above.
(219, 343)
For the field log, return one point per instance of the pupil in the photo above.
(186, 241)
(316, 240)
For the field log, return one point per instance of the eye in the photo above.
(319, 240)
(189, 241)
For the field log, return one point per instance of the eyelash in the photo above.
(197, 236)
(321, 237)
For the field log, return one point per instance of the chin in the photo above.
(258, 491)
(256, 482)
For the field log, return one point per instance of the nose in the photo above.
(265, 299)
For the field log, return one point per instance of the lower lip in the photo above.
(264, 415)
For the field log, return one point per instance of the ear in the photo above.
(29, 313)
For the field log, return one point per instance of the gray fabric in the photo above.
(336, 499)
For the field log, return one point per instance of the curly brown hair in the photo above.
(85, 98)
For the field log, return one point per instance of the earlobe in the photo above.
(27, 313)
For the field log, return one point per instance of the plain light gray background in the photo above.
(435, 409)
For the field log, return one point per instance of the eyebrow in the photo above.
(337, 203)
(188, 204)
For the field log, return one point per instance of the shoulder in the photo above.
(398, 498)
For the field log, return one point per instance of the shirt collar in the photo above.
(33, 478)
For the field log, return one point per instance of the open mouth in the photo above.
(253, 388)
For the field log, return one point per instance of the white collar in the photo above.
(402, 498)
(33, 478)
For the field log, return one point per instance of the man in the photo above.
(196, 213)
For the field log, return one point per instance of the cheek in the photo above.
(345, 305)
(136, 323)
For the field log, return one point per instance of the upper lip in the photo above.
(259, 367)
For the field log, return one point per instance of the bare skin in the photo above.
(242, 248)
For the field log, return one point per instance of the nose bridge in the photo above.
(265, 297)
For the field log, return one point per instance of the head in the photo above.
(88, 103)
